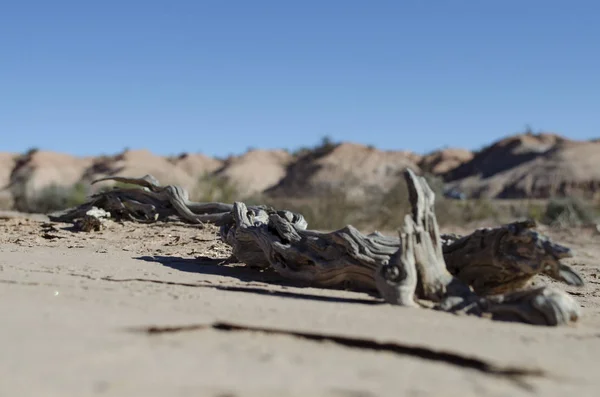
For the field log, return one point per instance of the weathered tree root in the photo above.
(505, 258)
(154, 202)
(457, 274)
(412, 267)
(542, 306)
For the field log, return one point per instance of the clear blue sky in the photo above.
(91, 77)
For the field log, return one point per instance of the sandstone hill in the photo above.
(138, 163)
(519, 166)
(443, 161)
(7, 164)
(255, 171)
(530, 165)
(351, 168)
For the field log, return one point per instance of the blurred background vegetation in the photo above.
(335, 209)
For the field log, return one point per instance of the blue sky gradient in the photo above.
(220, 76)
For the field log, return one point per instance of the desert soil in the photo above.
(77, 309)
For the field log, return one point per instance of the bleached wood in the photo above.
(457, 274)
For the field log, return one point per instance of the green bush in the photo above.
(330, 211)
(214, 188)
(536, 212)
(6, 201)
(568, 211)
(392, 206)
(326, 145)
(436, 184)
(55, 197)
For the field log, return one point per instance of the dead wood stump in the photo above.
(483, 273)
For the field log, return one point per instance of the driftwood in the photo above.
(418, 267)
(154, 202)
(506, 258)
(411, 268)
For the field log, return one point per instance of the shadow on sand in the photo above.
(220, 267)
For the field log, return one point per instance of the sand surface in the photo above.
(76, 308)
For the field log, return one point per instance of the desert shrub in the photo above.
(392, 206)
(213, 188)
(326, 145)
(449, 212)
(31, 151)
(457, 212)
(6, 201)
(527, 209)
(568, 211)
(479, 209)
(536, 212)
(55, 197)
(436, 183)
(329, 211)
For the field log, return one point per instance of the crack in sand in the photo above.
(28, 283)
(512, 373)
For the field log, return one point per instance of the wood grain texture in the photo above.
(484, 273)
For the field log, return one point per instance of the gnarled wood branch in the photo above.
(542, 306)
(505, 258)
(154, 202)
(420, 264)
(398, 268)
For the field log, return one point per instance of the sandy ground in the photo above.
(76, 310)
